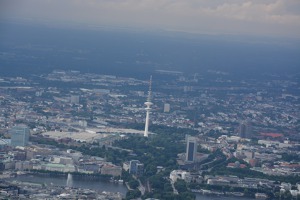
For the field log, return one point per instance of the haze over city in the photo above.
(267, 17)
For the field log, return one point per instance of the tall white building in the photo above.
(166, 107)
(191, 149)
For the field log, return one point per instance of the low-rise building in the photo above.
(136, 167)
(59, 167)
(110, 169)
(180, 174)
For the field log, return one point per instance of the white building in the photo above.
(62, 160)
(180, 174)
(59, 167)
(166, 107)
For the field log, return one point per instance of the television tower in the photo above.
(148, 104)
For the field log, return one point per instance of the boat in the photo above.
(120, 181)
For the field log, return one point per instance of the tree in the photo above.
(180, 186)
(133, 184)
(132, 194)
(168, 187)
(157, 182)
(150, 170)
(287, 195)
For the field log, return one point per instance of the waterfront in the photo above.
(95, 184)
(205, 197)
(76, 182)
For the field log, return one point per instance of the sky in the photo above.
(237, 17)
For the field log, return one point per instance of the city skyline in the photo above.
(80, 116)
(199, 142)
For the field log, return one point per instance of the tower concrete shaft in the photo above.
(148, 105)
(147, 122)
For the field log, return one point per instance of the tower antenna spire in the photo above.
(150, 90)
(148, 107)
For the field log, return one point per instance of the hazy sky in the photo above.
(258, 17)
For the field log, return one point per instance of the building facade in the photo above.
(245, 130)
(166, 107)
(19, 135)
(191, 148)
(136, 167)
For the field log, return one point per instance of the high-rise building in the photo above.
(245, 130)
(191, 148)
(166, 107)
(19, 135)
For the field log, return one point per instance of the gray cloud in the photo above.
(267, 17)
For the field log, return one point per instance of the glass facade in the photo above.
(19, 135)
(191, 152)
(191, 148)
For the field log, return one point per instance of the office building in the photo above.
(19, 135)
(245, 130)
(191, 149)
(166, 107)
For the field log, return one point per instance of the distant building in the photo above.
(126, 166)
(191, 148)
(23, 165)
(88, 168)
(33, 152)
(110, 169)
(58, 167)
(261, 196)
(236, 165)
(75, 99)
(188, 88)
(62, 160)
(101, 91)
(245, 130)
(136, 167)
(82, 123)
(4, 142)
(166, 107)
(19, 135)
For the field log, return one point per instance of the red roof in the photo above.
(290, 165)
(233, 165)
(273, 135)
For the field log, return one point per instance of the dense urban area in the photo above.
(209, 134)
